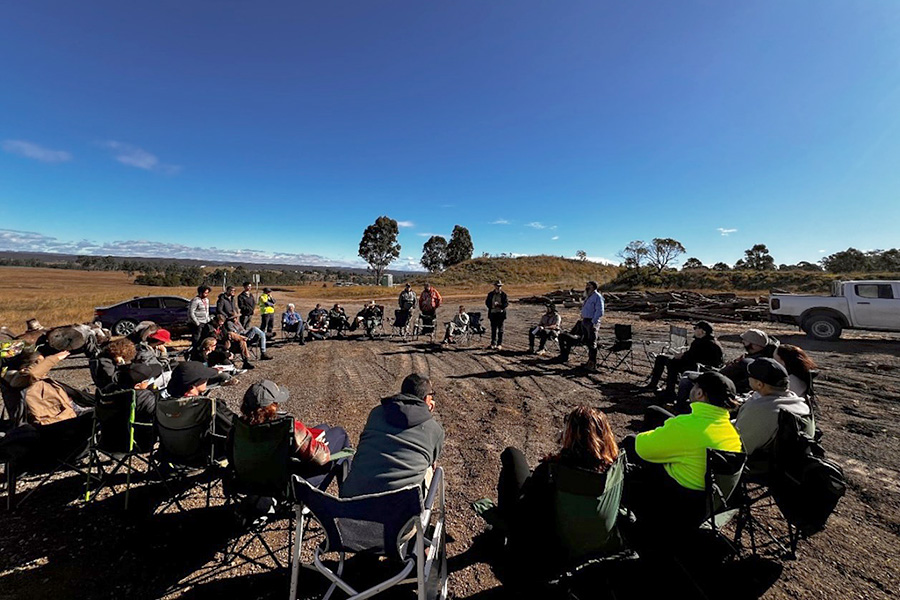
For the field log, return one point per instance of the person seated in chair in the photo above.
(666, 476)
(704, 350)
(548, 328)
(292, 322)
(105, 363)
(315, 313)
(400, 443)
(46, 401)
(189, 380)
(142, 379)
(209, 353)
(525, 497)
(757, 418)
(250, 336)
(800, 367)
(570, 339)
(368, 313)
(337, 319)
(458, 325)
(317, 328)
(757, 344)
(311, 446)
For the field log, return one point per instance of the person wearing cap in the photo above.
(548, 328)
(459, 324)
(189, 380)
(225, 303)
(757, 418)
(246, 304)
(292, 322)
(317, 323)
(400, 443)
(667, 466)
(496, 303)
(407, 299)
(312, 447)
(591, 313)
(249, 336)
(198, 312)
(152, 351)
(704, 350)
(366, 317)
(142, 379)
(757, 344)
(266, 305)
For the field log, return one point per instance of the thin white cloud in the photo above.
(536, 225)
(822, 251)
(598, 259)
(726, 232)
(555, 237)
(499, 222)
(35, 151)
(553, 228)
(133, 156)
(405, 224)
(428, 235)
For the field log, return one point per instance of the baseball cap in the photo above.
(186, 375)
(769, 371)
(716, 386)
(161, 335)
(262, 394)
(267, 290)
(755, 336)
(140, 372)
(498, 283)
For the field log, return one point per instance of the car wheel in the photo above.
(823, 327)
(124, 327)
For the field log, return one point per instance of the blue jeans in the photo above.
(255, 334)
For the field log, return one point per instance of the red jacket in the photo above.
(430, 301)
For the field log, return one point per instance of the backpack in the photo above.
(806, 486)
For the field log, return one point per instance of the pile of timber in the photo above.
(715, 308)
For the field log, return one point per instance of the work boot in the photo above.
(247, 366)
(264, 356)
(590, 365)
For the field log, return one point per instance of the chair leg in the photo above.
(295, 551)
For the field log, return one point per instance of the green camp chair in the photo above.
(723, 475)
(118, 437)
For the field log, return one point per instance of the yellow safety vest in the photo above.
(264, 308)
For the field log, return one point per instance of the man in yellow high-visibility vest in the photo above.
(266, 305)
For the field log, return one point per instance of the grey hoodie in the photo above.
(400, 441)
(757, 419)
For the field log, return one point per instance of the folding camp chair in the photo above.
(623, 345)
(44, 450)
(119, 437)
(400, 326)
(723, 474)
(376, 323)
(260, 464)
(378, 524)
(677, 343)
(13, 404)
(187, 443)
(475, 326)
(289, 335)
(425, 325)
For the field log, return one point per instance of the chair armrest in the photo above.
(436, 482)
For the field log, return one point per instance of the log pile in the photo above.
(715, 308)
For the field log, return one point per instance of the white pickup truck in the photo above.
(869, 305)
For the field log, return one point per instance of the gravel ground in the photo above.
(57, 546)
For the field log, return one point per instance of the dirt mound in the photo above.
(526, 270)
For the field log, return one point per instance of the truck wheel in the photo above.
(823, 327)
(124, 327)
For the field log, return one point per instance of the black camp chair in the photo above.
(425, 325)
(375, 323)
(723, 475)
(623, 346)
(44, 450)
(400, 326)
(378, 524)
(118, 437)
(187, 444)
(475, 327)
(13, 405)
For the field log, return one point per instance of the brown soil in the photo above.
(54, 545)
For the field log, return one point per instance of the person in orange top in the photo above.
(429, 300)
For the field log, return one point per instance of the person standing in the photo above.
(591, 313)
(266, 305)
(246, 304)
(225, 303)
(496, 303)
(198, 312)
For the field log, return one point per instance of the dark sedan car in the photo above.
(170, 312)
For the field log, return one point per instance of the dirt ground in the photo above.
(55, 545)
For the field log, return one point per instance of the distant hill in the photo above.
(554, 271)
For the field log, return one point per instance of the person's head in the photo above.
(189, 379)
(702, 329)
(290, 307)
(229, 291)
(207, 345)
(588, 439)
(220, 319)
(160, 337)
(427, 286)
(248, 286)
(754, 340)
(420, 387)
(407, 287)
(794, 360)
(590, 287)
(551, 308)
(714, 388)
(267, 290)
(462, 309)
(203, 291)
(498, 285)
(122, 351)
(767, 376)
(318, 306)
(336, 306)
(261, 400)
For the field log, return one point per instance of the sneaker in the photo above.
(264, 356)
(542, 352)
(499, 347)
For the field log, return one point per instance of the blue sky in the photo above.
(543, 126)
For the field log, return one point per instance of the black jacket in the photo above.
(225, 306)
(246, 303)
(704, 351)
(504, 302)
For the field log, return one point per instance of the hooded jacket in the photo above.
(757, 419)
(225, 305)
(400, 441)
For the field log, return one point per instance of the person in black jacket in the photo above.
(496, 303)
(225, 303)
(704, 350)
(246, 304)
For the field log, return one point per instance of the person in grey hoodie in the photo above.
(757, 418)
(399, 444)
